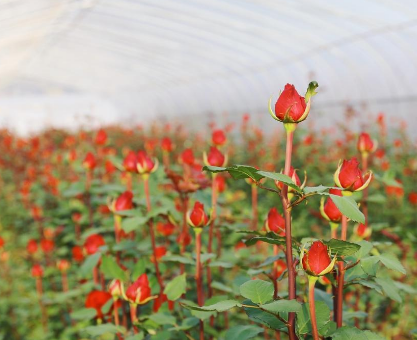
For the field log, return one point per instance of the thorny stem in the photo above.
(152, 233)
(116, 317)
(311, 283)
(133, 317)
(41, 305)
(340, 278)
(184, 232)
(211, 232)
(288, 243)
(200, 293)
(254, 207)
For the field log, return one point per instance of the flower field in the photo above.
(162, 232)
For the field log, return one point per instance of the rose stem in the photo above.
(64, 282)
(311, 283)
(365, 191)
(211, 229)
(116, 317)
(128, 181)
(41, 305)
(254, 206)
(117, 228)
(95, 275)
(184, 231)
(275, 272)
(133, 317)
(288, 243)
(340, 278)
(87, 187)
(200, 295)
(151, 231)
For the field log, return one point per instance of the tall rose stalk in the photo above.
(291, 109)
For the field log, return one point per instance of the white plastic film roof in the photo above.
(193, 57)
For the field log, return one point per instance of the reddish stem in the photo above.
(340, 278)
(96, 275)
(275, 272)
(116, 317)
(64, 282)
(133, 317)
(311, 282)
(288, 243)
(200, 293)
(254, 207)
(211, 231)
(184, 231)
(41, 305)
(152, 233)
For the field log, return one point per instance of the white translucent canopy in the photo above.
(165, 58)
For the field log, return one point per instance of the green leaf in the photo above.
(220, 286)
(406, 288)
(89, 263)
(84, 314)
(111, 269)
(373, 336)
(187, 324)
(389, 288)
(107, 328)
(133, 223)
(348, 207)
(349, 333)
(366, 247)
(162, 319)
(318, 189)
(342, 248)
(138, 269)
(266, 239)
(258, 291)
(219, 306)
(391, 262)
(176, 287)
(139, 336)
(237, 171)
(372, 285)
(311, 91)
(243, 332)
(177, 258)
(280, 177)
(322, 316)
(280, 306)
(369, 264)
(263, 317)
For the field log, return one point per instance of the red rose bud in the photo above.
(220, 183)
(218, 137)
(275, 222)
(166, 145)
(295, 179)
(412, 198)
(362, 230)
(130, 162)
(290, 106)
(93, 243)
(76, 217)
(329, 210)
(349, 177)
(316, 261)
(197, 217)
(47, 245)
(110, 168)
(63, 265)
(32, 247)
(281, 266)
(396, 191)
(184, 239)
(116, 289)
(37, 271)
(1, 242)
(165, 229)
(124, 202)
(215, 157)
(240, 245)
(77, 254)
(89, 162)
(97, 299)
(366, 144)
(101, 137)
(37, 213)
(146, 165)
(139, 292)
(160, 252)
(187, 157)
